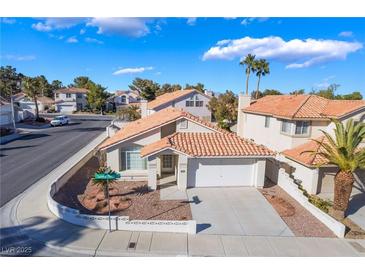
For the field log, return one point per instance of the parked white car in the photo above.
(60, 120)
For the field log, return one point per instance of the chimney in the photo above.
(243, 102)
(144, 111)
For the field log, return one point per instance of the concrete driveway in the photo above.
(235, 211)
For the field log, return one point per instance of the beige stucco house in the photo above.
(174, 142)
(26, 103)
(288, 123)
(68, 100)
(189, 100)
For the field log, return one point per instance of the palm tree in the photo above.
(32, 88)
(104, 184)
(343, 151)
(262, 68)
(249, 63)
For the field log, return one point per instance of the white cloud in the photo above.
(72, 40)
(93, 40)
(132, 70)
(41, 27)
(134, 27)
(250, 20)
(82, 31)
(49, 24)
(18, 57)
(346, 34)
(325, 82)
(296, 53)
(7, 20)
(191, 21)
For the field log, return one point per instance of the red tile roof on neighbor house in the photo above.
(299, 154)
(42, 99)
(198, 144)
(168, 97)
(72, 90)
(153, 121)
(303, 107)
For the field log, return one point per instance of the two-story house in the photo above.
(123, 98)
(126, 97)
(176, 143)
(72, 99)
(288, 123)
(189, 100)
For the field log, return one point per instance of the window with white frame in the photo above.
(301, 127)
(123, 99)
(167, 161)
(198, 103)
(285, 126)
(68, 95)
(131, 159)
(189, 103)
(267, 121)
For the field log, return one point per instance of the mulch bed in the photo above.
(300, 221)
(142, 204)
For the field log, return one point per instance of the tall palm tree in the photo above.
(343, 151)
(31, 87)
(249, 63)
(262, 67)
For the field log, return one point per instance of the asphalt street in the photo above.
(24, 161)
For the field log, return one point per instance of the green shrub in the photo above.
(323, 205)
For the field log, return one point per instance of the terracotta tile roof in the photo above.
(42, 99)
(199, 144)
(152, 121)
(127, 92)
(307, 159)
(72, 90)
(303, 106)
(168, 97)
(45, 100)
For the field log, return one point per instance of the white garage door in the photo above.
(66, 108)
(220, 172)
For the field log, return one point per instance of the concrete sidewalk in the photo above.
(30, 221)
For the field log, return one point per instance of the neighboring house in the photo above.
(126, 97)
(26, 103)
(68, 100)
(6, 115)
(196, 152)
(123, 98)
(189, 100)
(288, 123)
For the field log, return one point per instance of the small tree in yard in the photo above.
(103, 184)
(132, 113)
(96, 97)
(343, 151)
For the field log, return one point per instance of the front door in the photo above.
(168, 164)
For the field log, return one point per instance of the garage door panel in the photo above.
(220, 172)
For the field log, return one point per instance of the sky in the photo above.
(304, 53)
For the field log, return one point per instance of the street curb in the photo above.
(43, 180)
(13, 138)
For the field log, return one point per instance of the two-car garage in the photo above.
(216, 172)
